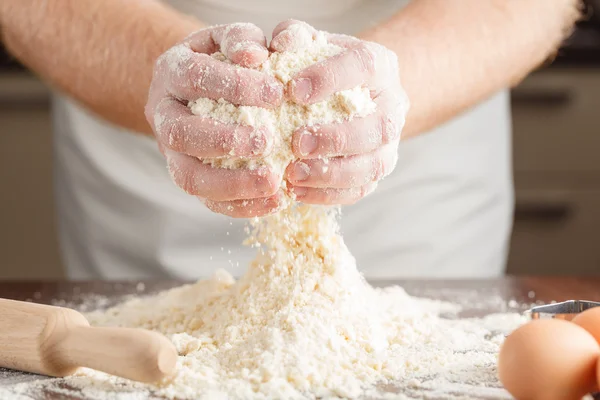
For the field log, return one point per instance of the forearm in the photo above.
(100, 52)
(454, 54)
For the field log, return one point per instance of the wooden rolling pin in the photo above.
(56, 341)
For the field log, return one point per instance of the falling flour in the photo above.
(302, 323)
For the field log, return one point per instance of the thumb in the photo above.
(242, 43)
(292, 35)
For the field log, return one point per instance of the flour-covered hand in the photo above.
(341, 163)
(187, 72)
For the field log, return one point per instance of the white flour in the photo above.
(302, 323)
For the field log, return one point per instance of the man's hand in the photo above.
(341, 163)
(187, 72)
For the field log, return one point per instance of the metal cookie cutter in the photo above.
(566, 310)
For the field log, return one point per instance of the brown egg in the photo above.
(598, 375)
(549, 360)
(590, 321)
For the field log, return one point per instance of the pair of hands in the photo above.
(337, 163)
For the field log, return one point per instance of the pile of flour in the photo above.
(302, 322)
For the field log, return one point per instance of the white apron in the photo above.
(445, 211)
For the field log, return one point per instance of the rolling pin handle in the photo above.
(136, 354)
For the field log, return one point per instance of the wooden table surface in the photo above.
(478, 297)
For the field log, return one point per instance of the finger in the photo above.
(220, 184)
(286, 24)
(342, 40)
(183, 132)
(354, 67)
(332, 196)
(248, 208)
(356, 136)
(292, 35)
(344, 172)
(191, 75)
(242, 43)
(202, 41)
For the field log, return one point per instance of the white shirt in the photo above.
(445, 211)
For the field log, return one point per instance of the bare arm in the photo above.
(455, 53)
(100, 52)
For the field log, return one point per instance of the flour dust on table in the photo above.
(302, 323)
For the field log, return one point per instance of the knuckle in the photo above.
(170, 133)
(378, 168)
(266, 183)
(174, 59)
(362, 192)
(228, 140)
(339, 141)
(273, 184)
(200, 76)
(359, 193)
(322, 172)
(162, 61)
(199, 33)
(366, 55)
(237, 86)
(330, 173)
(324, 76)
(388, 127)
(186, 183)
(184, 178)
(367, 190)
(232, 35)
(282, 26)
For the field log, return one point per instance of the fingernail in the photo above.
(261, 142)
(263, 182)
(308, 143)
(250, 55)
(301, 172)
(303, 89)
(272, 93)
(299, 192)
(272, 203)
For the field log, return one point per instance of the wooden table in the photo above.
(478, 297)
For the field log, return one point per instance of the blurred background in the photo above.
(556, 142)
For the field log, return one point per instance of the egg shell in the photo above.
(549, 360)
(590, 321)
(598, 374)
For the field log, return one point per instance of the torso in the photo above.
(445, 211)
